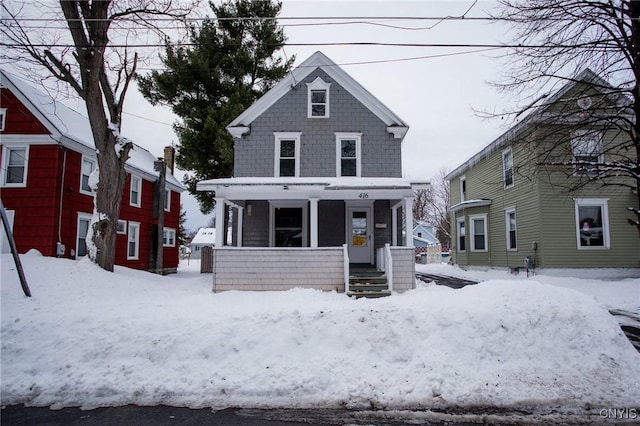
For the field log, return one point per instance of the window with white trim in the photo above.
(587, 151)
(478, 232)
(462, 235)
(463, 188)
(511, 230)
(318, 99)
(15, 160)
(592, 223)
(133, 241)
(287, 154)
(88, 166)
(168, 237)
(348, 155)
(122, 227)
(135, 191)
(167, 200)
(84, 221)
(507, 167)
(3, 118)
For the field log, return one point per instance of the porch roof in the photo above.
(334, 188)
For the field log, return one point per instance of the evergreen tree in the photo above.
(232, 60)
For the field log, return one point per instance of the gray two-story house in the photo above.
(317, 188)
(542, 194)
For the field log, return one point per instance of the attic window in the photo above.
(318, 99)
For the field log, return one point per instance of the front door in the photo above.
(359, 234)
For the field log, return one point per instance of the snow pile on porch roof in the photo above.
(204, 237)
(327, 182)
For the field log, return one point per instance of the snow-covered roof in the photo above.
(585, 76)
(72, 129)
(394, 124)
(469, 204)
(308, 187)
(204, 237)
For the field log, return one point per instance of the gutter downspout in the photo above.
(60, 246)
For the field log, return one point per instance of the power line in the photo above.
(319, 44)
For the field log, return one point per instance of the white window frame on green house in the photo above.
(318, 99)
(279, 138)
(463, 188)
(472, 221)
(88, 166)
(512, 244)
(461, 232)
(507, 168)
(340, 158)
(135, 187)
(133, 241)
(586, 146)
(17, 161)
(168, 237)
(585, 231)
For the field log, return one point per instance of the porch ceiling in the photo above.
(291, 188)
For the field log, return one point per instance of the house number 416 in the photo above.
(364, 195)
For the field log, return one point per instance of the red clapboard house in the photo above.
(46, 157)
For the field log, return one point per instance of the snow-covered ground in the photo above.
(92, 338)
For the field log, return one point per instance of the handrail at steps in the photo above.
(389, 265)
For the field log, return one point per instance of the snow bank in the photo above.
(92, 338)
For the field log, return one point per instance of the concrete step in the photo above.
(379, 279)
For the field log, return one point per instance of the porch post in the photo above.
(394, 226)
(240, 211)
(220, 222)
(313, 216)
(408, 220)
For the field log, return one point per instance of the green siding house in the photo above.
(541, 195)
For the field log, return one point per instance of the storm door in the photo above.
(359, 236)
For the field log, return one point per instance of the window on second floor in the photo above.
(167, 200)
(88, 166)
(3, 118)
(587, 151)
(463, 188)
(287, 154)
(14, 166)
(135, 192)
(318, 99)
(507, 167)
(348, 154)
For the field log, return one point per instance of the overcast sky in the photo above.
(435, 90)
